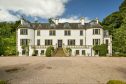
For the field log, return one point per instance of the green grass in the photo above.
(116, 82)
(3, 82)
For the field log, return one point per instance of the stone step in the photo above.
(60, 53)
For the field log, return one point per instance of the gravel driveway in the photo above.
(62, 70)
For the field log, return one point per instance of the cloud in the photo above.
(73, 19)
(6, 16)
(34, 8)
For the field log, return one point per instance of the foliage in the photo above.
(68, 49)
(119, 39)
(116, 82)
(123, 6)
(116, 24)
(51, 21)
(49, 51)
(3, 82)
(102, 49)
(8, 38)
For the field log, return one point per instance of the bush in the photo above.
(102, 49)
(68, 49)
(3, 82)
(49, 51)
(116, 82)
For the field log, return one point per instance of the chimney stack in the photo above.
(22, 21)
(56, 21)
(97, 20)
(82, 21)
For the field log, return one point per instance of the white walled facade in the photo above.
(87, 38)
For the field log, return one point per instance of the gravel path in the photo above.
(62, 70)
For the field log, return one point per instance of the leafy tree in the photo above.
(51, 21)
(8, 38)
(119, 40)
(123, 6)
(116, 24)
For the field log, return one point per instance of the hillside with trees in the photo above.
(116, 24)
(8, 38)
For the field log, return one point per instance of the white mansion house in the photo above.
(79, 37)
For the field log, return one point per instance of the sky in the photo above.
(65, 10)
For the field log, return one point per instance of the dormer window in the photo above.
(23, 31)
(66, 25)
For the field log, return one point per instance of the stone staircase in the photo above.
(60, 53)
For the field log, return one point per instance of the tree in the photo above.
(119, 40)
(51, 21)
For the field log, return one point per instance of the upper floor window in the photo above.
(71, 42)
(96, 41)
(38, 32)
(38, 42)
(48, 42)
(23, 42)
(52, 32)
(67, 33)
(81, 32)
(23, 31)
(96, 31)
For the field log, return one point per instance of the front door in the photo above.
(59, 43)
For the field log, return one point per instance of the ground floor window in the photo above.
(48, 42)
(23, 42)
(71, 42)
(42, 52)
(38, 42)
(81, 42)
(83, 52)
(77, 52)
(96, 41)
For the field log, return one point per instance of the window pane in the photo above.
(38, 42)
(83, 52)
(81, 42)
(23, 32)
(77, 52)
(81, 32)
(42, 52)
(38, 32)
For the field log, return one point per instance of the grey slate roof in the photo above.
(66, 25)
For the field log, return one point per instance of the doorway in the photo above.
(59, 43)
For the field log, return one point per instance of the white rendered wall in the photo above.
(75, 34)
(29, 36)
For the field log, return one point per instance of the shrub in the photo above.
(116, 82)
(102, 49)
(49, 51)
(3, 82)
(68, 49)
